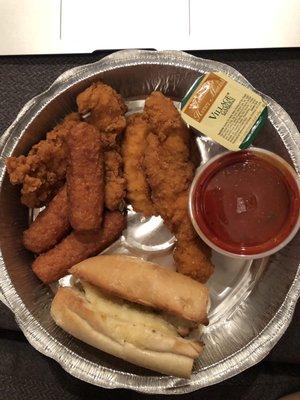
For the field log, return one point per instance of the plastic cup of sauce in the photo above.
(246, 203)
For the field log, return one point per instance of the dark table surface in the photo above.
(26, 374)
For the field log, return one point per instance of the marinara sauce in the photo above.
(246, 202)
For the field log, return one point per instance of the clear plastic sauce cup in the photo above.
(246, 203)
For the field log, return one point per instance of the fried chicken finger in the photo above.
(134, 144)
(50, 226)
(115, 183)
(170, 171)
(85, 177)
(192, 258)
(78, 246)
(42, 172)
(103, 107)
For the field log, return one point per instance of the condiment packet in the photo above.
(224, 110)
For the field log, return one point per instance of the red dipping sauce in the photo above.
(246, 203)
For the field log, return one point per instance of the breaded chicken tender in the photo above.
(50, 226)
(85, 177)
(133, 148)
(103, 107)
(53, 265)
(170, 172)
(192, 258)
(42, 172)
(115, 183)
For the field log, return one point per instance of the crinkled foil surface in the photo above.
(252, 302)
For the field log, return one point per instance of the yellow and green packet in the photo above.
(226, 111)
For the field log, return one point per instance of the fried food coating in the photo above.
(85, 177)
(104, 108)
(50, 226)
(78, 246)
(115, 183)
(133, 149)
(170, 172)
(42, 172)
(192, 258)
(167, 164)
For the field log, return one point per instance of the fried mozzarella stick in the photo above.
(78, 246)
(170, 172)
(85, 177)
(50, 226)
(103, 107)
(134, 144)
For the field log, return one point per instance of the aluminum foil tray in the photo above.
(252, 302)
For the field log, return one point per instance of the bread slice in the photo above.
(164, 352)
(146, 283)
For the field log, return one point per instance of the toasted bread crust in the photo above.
(72, 312)
(146, 283)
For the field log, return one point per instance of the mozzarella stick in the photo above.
(85, 177)
(50, 226)
(78, 246)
